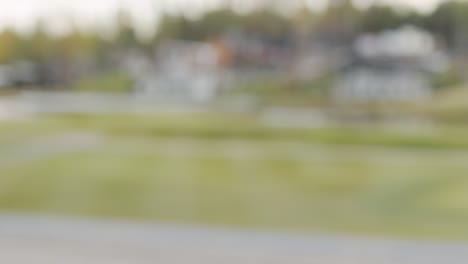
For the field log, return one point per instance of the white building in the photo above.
(185, 70)
(5, 76)
(395, 65)
(364, 83)
(407, 41)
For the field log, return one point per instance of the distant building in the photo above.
(405, 42)
(381, 81)
(20, 73)
(185, 70)
(394, 65)
(5, 76)
(318, 60)
(255, 51)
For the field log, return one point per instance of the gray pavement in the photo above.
(45, 240)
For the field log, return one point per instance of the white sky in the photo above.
(23, 14)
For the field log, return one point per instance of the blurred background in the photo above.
(339, 116)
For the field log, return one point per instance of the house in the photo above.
(20, 73)
(383, 81)
(5, 76)
(391, 66)
(250, 50)
(185, 70)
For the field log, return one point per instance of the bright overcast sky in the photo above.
(23, 14)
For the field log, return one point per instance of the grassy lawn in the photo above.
(242, 126)
(104, 82)
(232, 171)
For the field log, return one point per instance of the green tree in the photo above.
(267, 22)
(380, 17)
(9, 46)
(215, 22)
(341, 19)
(77, 44)
(450, 22)
(39, 46)
(126, 33)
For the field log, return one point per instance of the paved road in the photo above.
(25, 240)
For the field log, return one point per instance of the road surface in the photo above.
(42, 240)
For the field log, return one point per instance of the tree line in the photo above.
(447, 22)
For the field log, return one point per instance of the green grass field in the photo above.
(234, 171)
